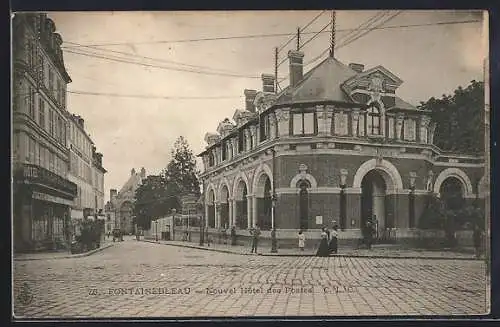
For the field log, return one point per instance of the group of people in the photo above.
(329, 242)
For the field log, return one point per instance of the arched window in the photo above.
(211, 159)
(373, 120)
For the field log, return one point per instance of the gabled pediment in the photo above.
(377, 79)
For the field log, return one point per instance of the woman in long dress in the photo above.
(323, 245)
(302, 239)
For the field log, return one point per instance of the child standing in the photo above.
(302, 240)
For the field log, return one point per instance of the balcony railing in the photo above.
(36, 174)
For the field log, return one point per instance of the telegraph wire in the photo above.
(150, 58)
(124, 60)
(252, 36)
(302, 29)
(316, 35)
(145, 96)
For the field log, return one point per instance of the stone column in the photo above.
(282, 119)
(272, 126)
(254, 210)
(217, 214)
(249, 211)
(423, 135)
(354, 124)
(248, 137)
(235, 212)
(230, 209)
(206, 214)
(399, 126)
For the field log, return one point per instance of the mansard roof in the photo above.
(321, 83)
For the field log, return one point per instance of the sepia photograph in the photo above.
(250, 164)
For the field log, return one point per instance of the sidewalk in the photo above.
(59, 255)
(377, 251)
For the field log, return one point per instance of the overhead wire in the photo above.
(146, 96)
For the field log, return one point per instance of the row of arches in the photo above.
(243, 206)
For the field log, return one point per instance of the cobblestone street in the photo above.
(140, 279)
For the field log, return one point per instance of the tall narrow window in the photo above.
(361, 125)
(41, 69)
(51, 82)
(409, 129)
(41, 112)
(373, 121)
(31, 150)
(51, 161)
(241, 141)
(340, 123)
(304, 123)
(264, 127)
(31, 104)
(423, 134)
(224, 151)
(51, 122)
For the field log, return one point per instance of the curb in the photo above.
(312, 255)
(79, 255)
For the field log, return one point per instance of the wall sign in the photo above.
(319, 220)
(51, 198)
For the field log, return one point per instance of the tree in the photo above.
(459, 119)
(181, 173)
(152, 201)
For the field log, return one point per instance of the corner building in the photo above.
(336, 144)
(42, 194)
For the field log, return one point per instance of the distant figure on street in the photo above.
(255, 238)
(333, 245)
(478, 240)
(327, 231)
(233, 235)
(224, 235)
(375, 226)
(323, 245)
(368, 233)
(302, 240)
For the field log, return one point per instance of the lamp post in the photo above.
(156, 229)
(274, 199)
(173, 224)
(411, 206)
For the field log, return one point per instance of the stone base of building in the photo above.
(287, 239)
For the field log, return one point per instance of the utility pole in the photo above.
(276, 70)
(332, 41)
(298, 38)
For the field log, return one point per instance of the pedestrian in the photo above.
(333, 245)
(233, 235)
(368, 233)
(255, 238)
(327, 231)
(302, 241)
(224, 235)
(323, 244)
(477, 238)
(209, 239)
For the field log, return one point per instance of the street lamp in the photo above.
(156, 228)
(173, 224)
(274, 199)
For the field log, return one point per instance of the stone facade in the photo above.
(336, 145)
(120, 205)
(42, 192)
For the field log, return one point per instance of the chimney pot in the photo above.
(268, 83)
(249, 98)
(357, 67)
(296, 66)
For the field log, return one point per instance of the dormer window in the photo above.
(304, 123)
(373, 120)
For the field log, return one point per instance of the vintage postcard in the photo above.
(250, 164)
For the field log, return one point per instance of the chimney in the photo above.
(132, 172)
(358, 68)
(296, 66)
(249, 98)
(268, 83)
(143, 172)
(112, 194)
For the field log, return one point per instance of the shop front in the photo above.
(42, 202)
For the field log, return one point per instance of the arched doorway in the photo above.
(241, 213)
(373, 198)
(224, 207)
(451, 193)
(303, 204)
(211, 209)
(264, 202)
(126, 217)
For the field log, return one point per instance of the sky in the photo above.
(139, 130)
